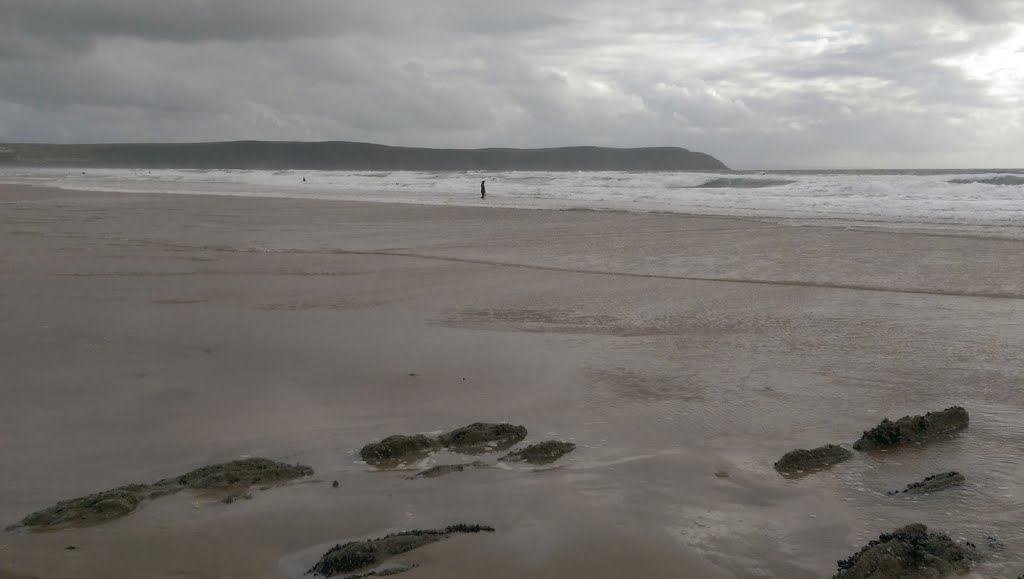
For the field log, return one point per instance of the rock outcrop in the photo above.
(446, 469)
(482, 437)
(910, 552)
(802, 460)
(233, 477)
(358, 556)
(931, 484)
(910, 429)
(541, 453)
(398, 448)
(243, 473)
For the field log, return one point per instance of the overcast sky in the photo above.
(840, 83)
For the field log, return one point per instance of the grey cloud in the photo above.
(502, 19)
(76, 23)
(755, 83)
(981, 10)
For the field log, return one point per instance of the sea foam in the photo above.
(969, 199)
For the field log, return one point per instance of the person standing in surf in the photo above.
(483, 190)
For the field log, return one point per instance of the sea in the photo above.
(988, 201)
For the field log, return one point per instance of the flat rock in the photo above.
(235, 476)
(801, 460)
(911, 429)
(356, 556)
(910, 552)
(931, 484)
(398, 448)
(483, 436)
(444, 469)
(89, 510)
(541, 453)
(243, 473)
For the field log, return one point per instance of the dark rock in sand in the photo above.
(243, 473)
(482, 436)
(396, 570)
(910, 553)
(910, 429)
(108, 505)
(397, 448)
(235, 497)
(162, 489)
(995, 544)
(89, 510)
(443, 469)
(936, 482)
(541, 453)
(802, 460)
(361, 555)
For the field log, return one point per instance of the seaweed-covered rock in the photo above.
(235, 476)
(89, 510)
(931, 484)
(357, 556)
(803, 460)
(443, 469)
(243, 473)
(910, 552)
(483, 436)
(541, 453)
(910, 429)
(397, 448)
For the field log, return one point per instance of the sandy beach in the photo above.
(146, 334)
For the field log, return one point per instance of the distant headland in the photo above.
(342, 155)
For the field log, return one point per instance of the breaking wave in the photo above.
(1000, 180)
(909, 197)
(742, 183)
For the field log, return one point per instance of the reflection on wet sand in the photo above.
(176, 332)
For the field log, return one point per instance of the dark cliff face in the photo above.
(339, 155)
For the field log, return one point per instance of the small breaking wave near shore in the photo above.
(967, 198)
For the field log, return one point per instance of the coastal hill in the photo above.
(342, 155)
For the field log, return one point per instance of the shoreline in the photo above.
(152, 334)
(856, 223)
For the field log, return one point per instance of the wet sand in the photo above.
(145, 335)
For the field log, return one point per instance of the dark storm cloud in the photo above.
(756, 83)
(75, 23)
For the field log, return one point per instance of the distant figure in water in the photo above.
(303, 179)
(483, 190)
